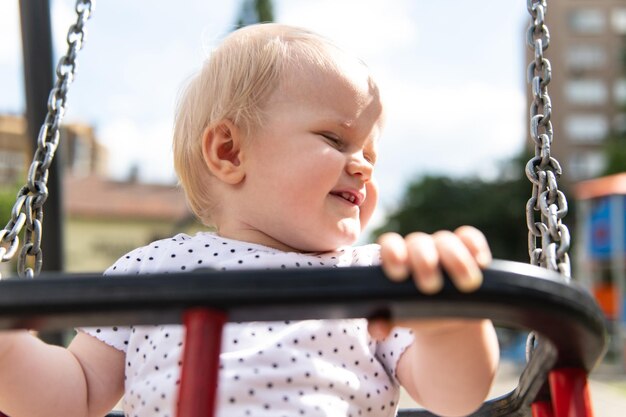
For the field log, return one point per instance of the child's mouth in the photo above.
(349, 197)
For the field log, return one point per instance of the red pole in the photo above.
(198, 383)
(541, 409)
(570, 393)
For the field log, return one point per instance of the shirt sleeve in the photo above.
(390, 350)
(117, 336)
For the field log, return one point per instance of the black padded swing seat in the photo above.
(571, 326)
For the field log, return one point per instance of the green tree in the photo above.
(7, 200)
(615, 153)
(615, 148)
(255, 11)
(497, 208)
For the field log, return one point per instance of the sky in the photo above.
(451, 73)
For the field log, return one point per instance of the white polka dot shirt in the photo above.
(312, 368)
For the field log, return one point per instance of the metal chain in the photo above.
(543, 170)
(547, 205)
(28, 209)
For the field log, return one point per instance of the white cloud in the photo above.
(459, 130)
(11, 78)
(62, 15)
(480, 109)
(146, 147)
(9, 33)
(365, 27)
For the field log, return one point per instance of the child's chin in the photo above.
(347, 239)
(332, 245)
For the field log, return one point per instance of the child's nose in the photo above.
(358, 165)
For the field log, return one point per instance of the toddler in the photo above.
(275, 144)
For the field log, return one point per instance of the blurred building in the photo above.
(106, 219)
(588, 91)
(601, 253)
(13, 149)
(103, 218)
(81, 154)
(588, 87)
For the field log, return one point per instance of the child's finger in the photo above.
(379, 329)
(393, 253)
(457, 260)
(476, 243)
(424, 262)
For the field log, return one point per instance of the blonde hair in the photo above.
(234, 84)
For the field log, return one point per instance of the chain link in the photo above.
(548, 240)
(28, 209)
(548, 237)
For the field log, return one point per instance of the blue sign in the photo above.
(599, 233)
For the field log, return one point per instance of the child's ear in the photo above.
(221, 149)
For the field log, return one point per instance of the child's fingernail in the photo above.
(472, 282)
(397, 272)
(483, 259)
(432, 284)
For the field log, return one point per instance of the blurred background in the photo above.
(453, 75)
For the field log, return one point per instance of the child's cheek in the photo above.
(371, 200)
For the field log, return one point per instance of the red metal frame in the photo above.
(198, 383)
(542, 409)
(570, 393)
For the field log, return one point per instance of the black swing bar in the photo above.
(570, 325)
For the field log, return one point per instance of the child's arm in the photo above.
(451, 365)
(36, 379)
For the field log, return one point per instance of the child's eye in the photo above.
(333, 140)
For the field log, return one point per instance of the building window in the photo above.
(586, 57)
(586, 128)
(12, 166)
(81, 165)
(585, 165)
(586, 92)
(618, 20)
(619, 91)
(587, 21)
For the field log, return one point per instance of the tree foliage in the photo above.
(615, 151)
(615, 143)
(497, 208)
(615, 148)
(255, 11)
(7, 200)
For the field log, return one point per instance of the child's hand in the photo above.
(451, 355)
(461, 254)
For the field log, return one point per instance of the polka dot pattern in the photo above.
(304, 368)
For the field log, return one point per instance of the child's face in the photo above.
(308, 184)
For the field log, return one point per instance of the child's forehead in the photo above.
(334, 97)
(341, 72)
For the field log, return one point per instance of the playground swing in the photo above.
(570, 326)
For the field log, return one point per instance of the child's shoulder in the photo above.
(184, 252)
(366, 255)
(176, 253)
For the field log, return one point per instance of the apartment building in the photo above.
(588, 87)
(14, 149)
(103, 218)
(81, 154)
